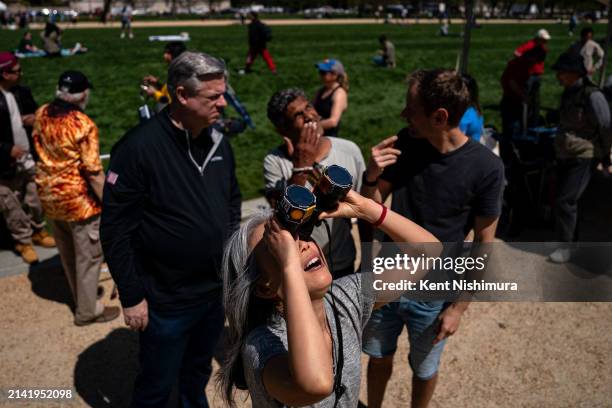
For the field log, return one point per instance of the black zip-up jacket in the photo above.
(164, 222)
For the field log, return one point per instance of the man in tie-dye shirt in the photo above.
(70, 179)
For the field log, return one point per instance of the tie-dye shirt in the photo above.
(67, 145)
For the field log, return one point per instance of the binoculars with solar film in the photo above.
(299, 208)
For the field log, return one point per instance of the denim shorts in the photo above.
(421, 318)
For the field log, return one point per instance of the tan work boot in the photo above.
(43, 239)
(27, 252)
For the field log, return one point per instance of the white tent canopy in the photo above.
(2, 6)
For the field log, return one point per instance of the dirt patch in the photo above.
(504, 355)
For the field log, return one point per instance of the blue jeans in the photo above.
(386, 324)
(178, 344)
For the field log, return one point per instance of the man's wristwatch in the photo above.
(302, 169)
(315, 168)
(366, 182)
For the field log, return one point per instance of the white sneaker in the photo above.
(241, 72)
(560, 255)
(77, 48)
(122, 35)
(131, 35)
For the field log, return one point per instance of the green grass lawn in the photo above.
(376, 95)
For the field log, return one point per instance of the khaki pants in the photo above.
(15, 193)
(81, 252)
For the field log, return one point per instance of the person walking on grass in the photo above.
(127, 13)
(259, 36)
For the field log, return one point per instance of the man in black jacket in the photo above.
(259, 35)
(17, 167)
(170, 199)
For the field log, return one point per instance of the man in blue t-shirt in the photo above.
(447, 183)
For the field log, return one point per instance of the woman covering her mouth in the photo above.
(294, 336)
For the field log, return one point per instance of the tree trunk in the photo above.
(105, 10)
(551, 4)
(509, 7)
(469, 11)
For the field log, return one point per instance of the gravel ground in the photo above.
(504, 355)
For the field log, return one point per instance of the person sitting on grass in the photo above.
(52, 44)
(51, 37)
(294, 334)
(153, 87)
(386, 54)
(25, 45)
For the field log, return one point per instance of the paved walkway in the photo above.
(11, 264)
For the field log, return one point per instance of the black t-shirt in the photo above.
(444, 192)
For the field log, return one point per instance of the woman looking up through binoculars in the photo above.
(294, 336)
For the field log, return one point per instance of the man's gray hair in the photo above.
(191, 68)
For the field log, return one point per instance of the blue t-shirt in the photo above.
(472, 123)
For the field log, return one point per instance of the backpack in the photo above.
(600, 140)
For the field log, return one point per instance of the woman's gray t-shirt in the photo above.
(353, 300)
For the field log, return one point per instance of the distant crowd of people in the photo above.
(166, 216)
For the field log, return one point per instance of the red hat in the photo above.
(7, 60)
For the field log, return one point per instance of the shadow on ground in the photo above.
(105, 372)
(48, 281)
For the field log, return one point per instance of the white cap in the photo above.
(543, 34)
